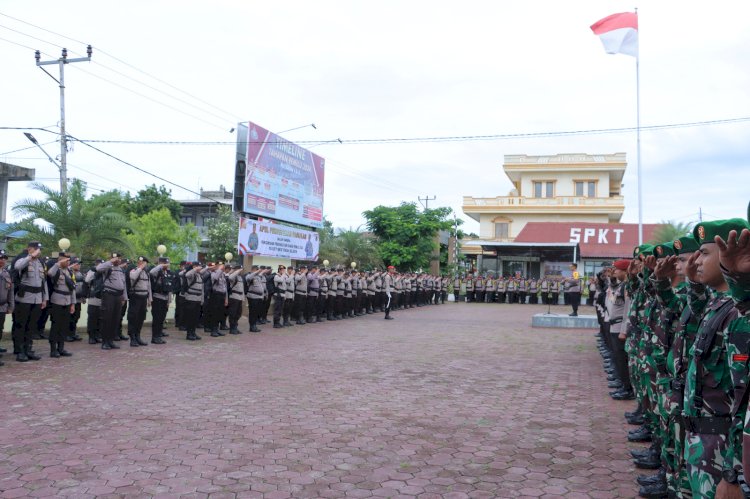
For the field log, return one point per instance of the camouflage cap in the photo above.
(705, 232)
(685, 244)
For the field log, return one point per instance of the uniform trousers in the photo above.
(92, 321)
(191, 311)
(234, 312)
(25, 323)
(575, 300)
(158, 316)
(255, 306)
(215, 312)
(136, 314)
(179, 304)
(60, 315)
(74, 318)
(287, 308)
(111, 315)
(311, 306)
(278, 308)
(299, 306)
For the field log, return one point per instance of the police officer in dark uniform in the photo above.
(7, 294)
(61, 304)
(140, 300)
(160, 297)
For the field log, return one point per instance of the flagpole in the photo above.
(638, 136)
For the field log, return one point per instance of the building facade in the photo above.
(201, 211)
(558, 188)
(568, 191)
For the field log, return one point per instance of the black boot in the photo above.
(105, 345)
(277, 325)
(642, 434)
(30, 353)
(61, 350)
(139, 340)
(215, 333)
(614, 384)
(660, 476)
(92, 340)
(157, 340)
(637, 412)
(113, 345)
(654, 491)
(134, 341)
(623, 395)
(53, 353)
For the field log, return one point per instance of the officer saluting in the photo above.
(31, 298)
(140, 299)
(113, 297)
(62, 304)
(160, 295)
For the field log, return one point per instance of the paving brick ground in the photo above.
(452, 401)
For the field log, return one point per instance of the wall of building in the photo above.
(564, 182)
(518, 221)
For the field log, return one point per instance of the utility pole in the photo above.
(426, 200)
(61, 62)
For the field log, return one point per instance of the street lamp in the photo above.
(228, 256)
(161, 249)
(354, 265)
(326, 263)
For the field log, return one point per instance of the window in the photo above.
(544, 189)
(585, 188)
(501, 230)
(187, 219)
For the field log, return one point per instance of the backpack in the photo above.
(97, 283)
(158, 284)
(15, 274)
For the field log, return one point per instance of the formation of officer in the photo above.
(485, 288)
(675, 336)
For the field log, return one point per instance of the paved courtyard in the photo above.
(451, 401)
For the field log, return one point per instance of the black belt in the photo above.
(195, 293)
(30, 289)
(139, 295)
(64, 293)
(708, 425)
(304, 293)
(616, 321)
(112, 292)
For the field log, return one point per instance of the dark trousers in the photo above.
(299, 306)
(533, 298)
(179, 305)
(388, 305)
(136, 315)
(60, 315)
(74, 318)
(278, 308)
(191, 311)
(2, 324)
(215, 312)
(234, 312)
(287, 309)
(310, 306)
(330, 306)
(158, 315)
(555, 298)
(25, 323)
(620, 358)
(111, 316)
(92, 321)
(339, 305)
(575, 300)
(255, 307)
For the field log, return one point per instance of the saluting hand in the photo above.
(734, 254)
(691, 269)
(666, 268)
(650, 262)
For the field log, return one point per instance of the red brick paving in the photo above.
(451, 401)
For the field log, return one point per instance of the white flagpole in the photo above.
(638, 134)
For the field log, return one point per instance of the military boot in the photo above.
(53, 353)
(61, 350)
(660, 476)
(139, 340)
(654, 491)
(134, 341)
(642, 434)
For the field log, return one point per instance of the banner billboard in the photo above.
(264, 238)
(282, 180)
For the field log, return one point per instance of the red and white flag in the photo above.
(618, 33)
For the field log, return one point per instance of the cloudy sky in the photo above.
(394, 69)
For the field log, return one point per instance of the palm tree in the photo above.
(354, 245)
(93, 230)
(669, 231)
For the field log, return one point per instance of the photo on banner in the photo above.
(264, 238)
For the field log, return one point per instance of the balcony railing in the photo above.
(563, 201)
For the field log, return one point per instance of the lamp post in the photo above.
(64, 243)
(161, 249)
(326, 263)
(228, 256)
(354, 265)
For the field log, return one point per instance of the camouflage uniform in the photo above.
(708, 393)
(679, 327)
(738, 354)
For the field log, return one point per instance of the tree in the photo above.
(158, 227)
(669, 231)
(356, 246)
(223, 232)
(92, 228)
(152, 199)
(405, 235)
(329, 249)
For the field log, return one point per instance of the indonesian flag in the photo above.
(618, 33)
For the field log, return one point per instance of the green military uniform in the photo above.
(709, 394)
